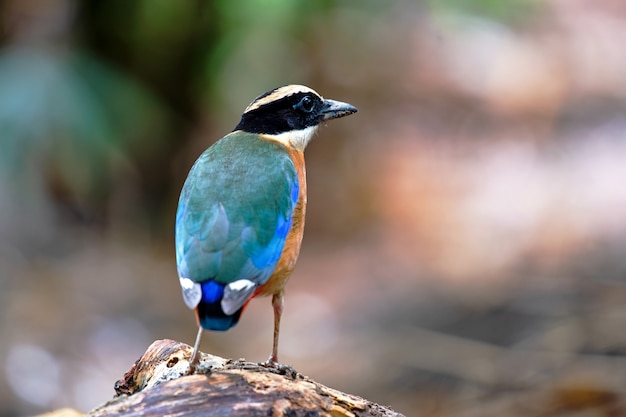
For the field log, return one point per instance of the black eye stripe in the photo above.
(295, 111)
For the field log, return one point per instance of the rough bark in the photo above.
(158, 384)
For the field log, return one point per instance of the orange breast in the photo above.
(289, 256)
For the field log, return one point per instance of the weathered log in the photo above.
(158, 384)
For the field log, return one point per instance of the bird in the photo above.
(241, 212)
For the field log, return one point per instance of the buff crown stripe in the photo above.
(278, 94)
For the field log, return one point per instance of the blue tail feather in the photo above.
(210, 313)
(212, 317)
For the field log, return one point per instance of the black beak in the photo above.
(334, 109)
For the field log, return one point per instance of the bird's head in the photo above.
(291, 114)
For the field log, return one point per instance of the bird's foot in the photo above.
(194, 361)
(279, 368)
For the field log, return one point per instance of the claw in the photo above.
(280, 368)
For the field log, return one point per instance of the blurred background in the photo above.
(465, 247)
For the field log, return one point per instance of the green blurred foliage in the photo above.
(68, 122)
(101, 123)
(94, 115)
(265, 44)
(98, 124)
(509, 12)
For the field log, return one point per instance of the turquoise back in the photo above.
(235, 210)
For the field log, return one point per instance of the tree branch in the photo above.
(158, 384)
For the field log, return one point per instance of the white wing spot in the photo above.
(192, 292)
(236, 294)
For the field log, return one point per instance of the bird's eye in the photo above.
(306, 104)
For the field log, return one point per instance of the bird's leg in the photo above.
(195, 355)
(272, 362)
(277, 304)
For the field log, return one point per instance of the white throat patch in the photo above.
(297, 139)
